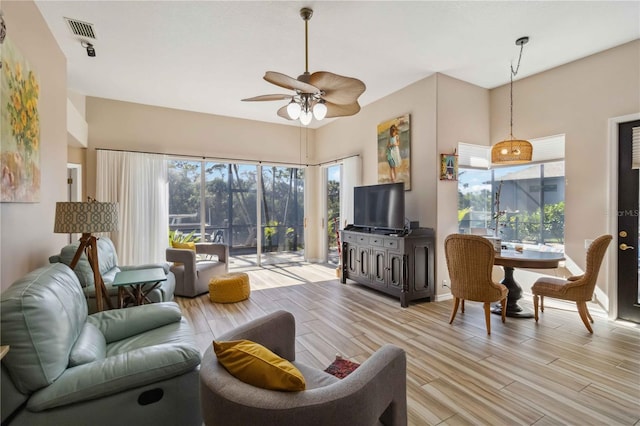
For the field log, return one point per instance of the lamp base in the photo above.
(89, 245)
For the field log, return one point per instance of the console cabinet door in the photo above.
(352, 259)
(395, 272)
(422, 273)
(379, 263)
(363, 262)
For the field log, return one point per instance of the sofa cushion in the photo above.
(45, 300)
(258, 366)
(89, 347)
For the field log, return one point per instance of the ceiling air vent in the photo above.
(79, 28)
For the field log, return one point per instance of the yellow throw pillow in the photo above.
(258, 366)
(178, 245)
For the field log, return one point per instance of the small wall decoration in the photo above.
(394, 151)
(19, 128)
(448, 166)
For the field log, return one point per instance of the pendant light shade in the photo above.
(513, 151)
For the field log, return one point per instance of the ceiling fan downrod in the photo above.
(306, 14)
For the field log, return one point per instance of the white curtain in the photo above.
(139, 183)
(351, 177)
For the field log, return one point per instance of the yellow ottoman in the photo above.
(229, 288)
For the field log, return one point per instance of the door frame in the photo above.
(610, 299)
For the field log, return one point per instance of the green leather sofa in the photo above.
(135, 366)
(108, 264)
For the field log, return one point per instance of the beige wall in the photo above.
(463, 116)
(577, 99)
(358, 135)
(444, 111)
(27, 238)
(134, 127)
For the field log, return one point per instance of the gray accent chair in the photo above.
(194, 269)
(134, 366)
(108, 265)
(374, 394)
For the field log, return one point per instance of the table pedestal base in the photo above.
(515, 293)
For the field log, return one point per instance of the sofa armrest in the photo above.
(117, 373)
(163, 265)
(220, 250)
(118, 324)
(180, 255)
(276, 331)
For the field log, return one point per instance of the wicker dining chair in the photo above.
(470, 263)
(577, 289)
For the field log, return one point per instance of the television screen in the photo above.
(379, 206)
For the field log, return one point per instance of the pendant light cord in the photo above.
(513, 74)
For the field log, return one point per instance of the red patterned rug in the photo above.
(341, 367)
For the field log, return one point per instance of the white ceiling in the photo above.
(207, 55)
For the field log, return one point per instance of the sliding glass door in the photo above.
(258, 211)
(333, 178)
(282, 214)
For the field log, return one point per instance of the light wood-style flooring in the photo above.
(549, 373)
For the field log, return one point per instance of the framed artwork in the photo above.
(448, 167)
(19, 128)
(394, 151)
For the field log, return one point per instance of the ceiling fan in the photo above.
(321, 94)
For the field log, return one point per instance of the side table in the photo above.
(131, 284)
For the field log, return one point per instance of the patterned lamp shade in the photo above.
(85, 217)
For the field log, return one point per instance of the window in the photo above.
(527, 200)
(184, 197)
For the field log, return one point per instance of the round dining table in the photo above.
(530, 259)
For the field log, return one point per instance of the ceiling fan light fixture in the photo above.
(294, 109)
(317, 95)
(319, 110)
(305, 117)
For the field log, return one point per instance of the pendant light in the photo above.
(513, 151)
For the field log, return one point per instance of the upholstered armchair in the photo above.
(194, 268)
(577, 289)
(108, 264)
(470, 263)
(375, 393)
(125, 366)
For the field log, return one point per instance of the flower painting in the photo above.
(19, 128)
(394, 149)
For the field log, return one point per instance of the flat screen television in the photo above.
(379, 206)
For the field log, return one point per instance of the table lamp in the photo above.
(87, 218)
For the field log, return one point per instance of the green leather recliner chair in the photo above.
(138, 365)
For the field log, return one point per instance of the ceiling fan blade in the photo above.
(269, 98)
(337, 88)
(282, 112)
(335, 110)
(287, 82)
